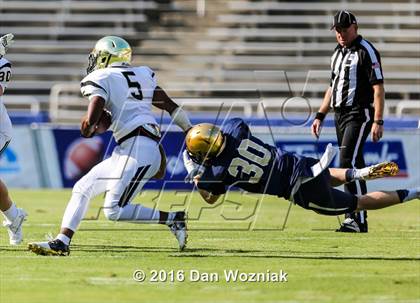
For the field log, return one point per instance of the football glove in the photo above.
(5, 42)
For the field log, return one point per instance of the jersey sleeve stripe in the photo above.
(6, 65)
(373, 58)
(87, 83)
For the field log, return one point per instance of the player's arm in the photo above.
(373, 68)
(94, 113)
(322, 112)
(195, 171)
(206, 195)
(162, 101)
(378, 103)
(95, 87)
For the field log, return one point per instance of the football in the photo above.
(104, 123)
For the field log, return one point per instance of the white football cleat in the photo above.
(179, 229)
(15, 228)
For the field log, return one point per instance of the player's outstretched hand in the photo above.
(5, 42)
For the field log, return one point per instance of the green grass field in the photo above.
(322, 266)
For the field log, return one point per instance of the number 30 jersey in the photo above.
(128, 93)
(5, 73)
(252, 165)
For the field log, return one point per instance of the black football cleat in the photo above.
(51, 248)
(351, 225)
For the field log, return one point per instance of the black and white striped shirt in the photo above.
(354, 70)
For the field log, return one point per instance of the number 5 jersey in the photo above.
(128, 93)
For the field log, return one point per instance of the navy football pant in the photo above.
(318, 195)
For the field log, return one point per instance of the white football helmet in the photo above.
(109, 50)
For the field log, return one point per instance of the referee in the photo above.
(356, 93)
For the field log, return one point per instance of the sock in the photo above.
(11, 213)
(406, 195)
(353, 174)
(350, 175)
(63, 238)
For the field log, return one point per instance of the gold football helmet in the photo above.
(204, 142)
(108, 50)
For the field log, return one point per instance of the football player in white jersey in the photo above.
(14, 216)
(128, 93)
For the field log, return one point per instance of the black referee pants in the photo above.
(353, 128)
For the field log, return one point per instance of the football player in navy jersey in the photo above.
(217, 158)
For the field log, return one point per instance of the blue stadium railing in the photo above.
(22, 118)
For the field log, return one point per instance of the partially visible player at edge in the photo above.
(216, 158)
(128, 93)
(14, 216)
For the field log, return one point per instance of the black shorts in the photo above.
(318, 195)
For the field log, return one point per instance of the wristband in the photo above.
(180, 118)
(379, 122)
(320, 116)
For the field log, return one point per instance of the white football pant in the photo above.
(5, 128)
(121, 177)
